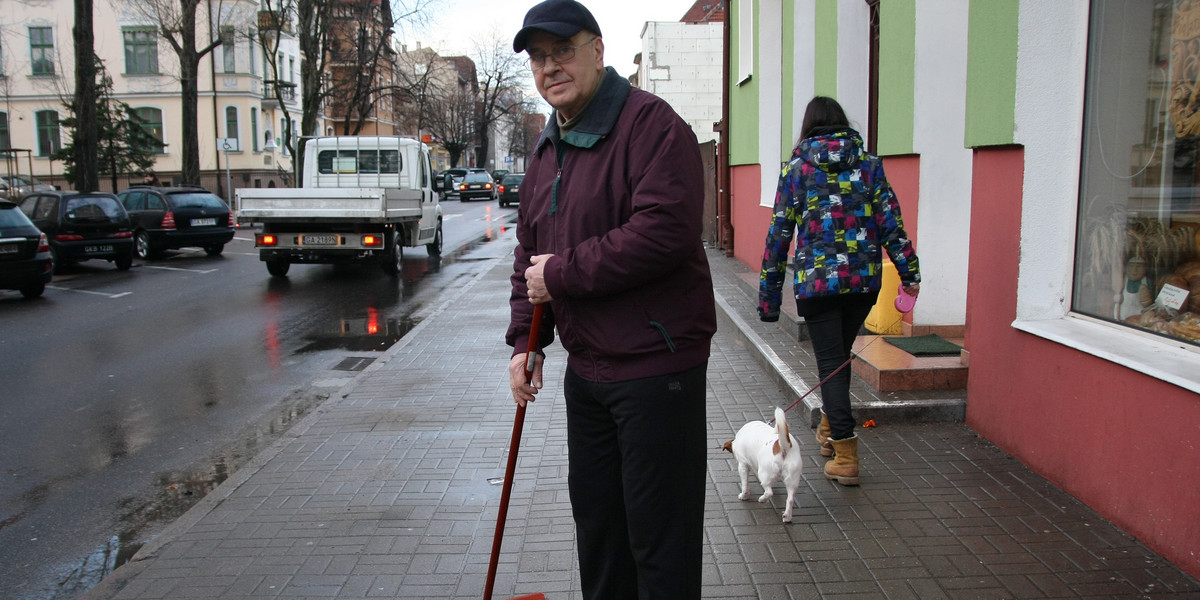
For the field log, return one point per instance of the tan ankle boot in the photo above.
(844, 466)
(823, 436)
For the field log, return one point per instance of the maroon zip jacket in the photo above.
(619, 202)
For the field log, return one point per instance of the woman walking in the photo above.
(835, 195)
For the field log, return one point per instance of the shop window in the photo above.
(1137, 258)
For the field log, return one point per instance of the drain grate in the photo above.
(354, 363)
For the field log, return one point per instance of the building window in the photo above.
(41, 50)
(231, 122)
(5, 137)
(1138, 235)
(47, 132)
(291, 69)
(151, 121)
(141, 51)
(746, 40)
(229, 49)
(254, 127)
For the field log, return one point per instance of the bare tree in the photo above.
(177, 24)
(452, 121)
(502, 77)
(86, 136)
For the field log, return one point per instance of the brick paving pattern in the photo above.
(388, 491)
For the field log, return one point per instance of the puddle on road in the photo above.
(177, 493)
(364, 333)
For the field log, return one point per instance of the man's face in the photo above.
(567, 86)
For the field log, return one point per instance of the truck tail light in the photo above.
(266, 239)
(372, 241)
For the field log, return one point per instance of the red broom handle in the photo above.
(518, 424)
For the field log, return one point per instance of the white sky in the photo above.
(459, 22)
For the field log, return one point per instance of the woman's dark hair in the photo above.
(823, 115)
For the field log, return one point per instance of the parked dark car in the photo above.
(24, 253)
(509, 187)
(477, 185)
(498, 174)
(19, 185)
(82, 226)
(177, 217)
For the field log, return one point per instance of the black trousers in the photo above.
(833, 323)
(637, 455)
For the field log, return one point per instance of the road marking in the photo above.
(179, 269)
(66, 289)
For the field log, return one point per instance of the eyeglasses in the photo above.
(561, 55)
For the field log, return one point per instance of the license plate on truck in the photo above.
(319, 240)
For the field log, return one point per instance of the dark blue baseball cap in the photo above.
(563, 18)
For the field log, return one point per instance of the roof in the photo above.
(705, 11)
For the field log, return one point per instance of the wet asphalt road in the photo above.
(127, 396)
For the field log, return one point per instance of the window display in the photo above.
(1137, 258)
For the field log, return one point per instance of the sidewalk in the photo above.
(388, 491)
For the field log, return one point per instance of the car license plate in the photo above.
(98, 249)
(319, 240)
(203, 222)
(9, 249)
(475, 186)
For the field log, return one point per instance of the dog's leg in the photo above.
(767, 480)
(744, 471)
(791, 501)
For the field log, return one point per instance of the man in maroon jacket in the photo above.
(609, 238)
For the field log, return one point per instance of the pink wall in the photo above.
(1125, 444)
(750, 221)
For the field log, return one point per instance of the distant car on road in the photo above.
(24, 253)
(82, 226)
(477, 185)
(509, 187)
(177, 217)
(499, 174)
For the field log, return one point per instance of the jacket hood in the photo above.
(832, 152)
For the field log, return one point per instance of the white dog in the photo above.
(773, 453)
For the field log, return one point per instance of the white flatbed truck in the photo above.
(363, 199)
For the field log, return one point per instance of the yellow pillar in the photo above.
(884, 318)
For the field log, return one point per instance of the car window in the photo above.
(91, 209)
(134, 201)
(47, 207)
(511, 179)
(28, 204)
(478, 178)
(197, 200)
(13, 217)
(155, 202)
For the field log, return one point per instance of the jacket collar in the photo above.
(597, 120)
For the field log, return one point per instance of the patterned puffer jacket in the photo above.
(847, 215)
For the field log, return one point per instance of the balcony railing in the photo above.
(287, 90)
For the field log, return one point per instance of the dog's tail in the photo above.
(783, 445)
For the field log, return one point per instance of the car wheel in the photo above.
(395, 263)
(141, 242)
(214, 249)
(55, 261)
(435, 247)
(278, 268)
(124, 261)
(34, 290)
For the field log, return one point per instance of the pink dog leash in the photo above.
(903, 303)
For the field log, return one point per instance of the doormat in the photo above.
(925, 345)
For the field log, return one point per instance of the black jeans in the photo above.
(638, 454)
(833, 323)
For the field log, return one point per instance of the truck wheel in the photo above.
(278, 268)
(435, 247)
(395, 263)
